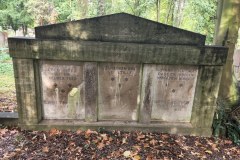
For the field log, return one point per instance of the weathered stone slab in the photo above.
(91, 84)
(118, 91)
(173, 89)
(62, 90)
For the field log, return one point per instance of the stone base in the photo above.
(172, 128)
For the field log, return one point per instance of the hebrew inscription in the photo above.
(118, 91)
(173, 89)
(62, 90)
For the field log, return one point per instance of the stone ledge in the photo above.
(177, 128)
(116, 52)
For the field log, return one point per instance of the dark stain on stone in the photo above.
(91, 91)
(147, 98)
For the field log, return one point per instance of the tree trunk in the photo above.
(168, 19)
(226, 35)
(101, 8)
(24, 30)
(178, 12)
(136, 8)
(158, 5)
(85, 8)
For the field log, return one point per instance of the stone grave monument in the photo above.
(117, 72)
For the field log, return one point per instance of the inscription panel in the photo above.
(173, 90)
(118, 91)
(62, 90)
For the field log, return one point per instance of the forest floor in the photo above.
(58, 144)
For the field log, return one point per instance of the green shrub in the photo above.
(6, 69)
(4, 55)
(226, 123)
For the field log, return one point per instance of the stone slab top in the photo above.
(116, 52)
(120, 27)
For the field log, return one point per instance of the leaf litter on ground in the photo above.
(60, 144)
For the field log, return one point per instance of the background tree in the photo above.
(227, 27)
(13, 15)
(43, 11)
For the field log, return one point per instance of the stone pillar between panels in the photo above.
(91, 91)
(206, 96)
(25, 90)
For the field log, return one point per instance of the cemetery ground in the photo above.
(7, 86)
(16, 143)
(57, 144)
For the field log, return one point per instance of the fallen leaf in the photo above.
(45, 149)
(18, 149)
(137, 147)
(104, 136)
(3, 131)
(136, 157)
(149, 157)
(88, 132)
(228, 142)
(146, 145)
(53, 132)
(101, 145)
(13, 131)
(127, 153)
(153, 142)
(164, 136)
(141, 136)
(124, 140)
(208, 151)
(79, 131)
(44, 137)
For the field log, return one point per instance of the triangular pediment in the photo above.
(120, 27)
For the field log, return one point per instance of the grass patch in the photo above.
(7, 83)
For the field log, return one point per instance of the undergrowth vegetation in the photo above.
(226, 121)
(6, 72)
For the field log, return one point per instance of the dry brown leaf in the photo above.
(208, 151)
(153, 142)
(53, 132)
(45, 149)
(214, 147)
(104, 136)
(149, 157)
(79, 131)
(228, 142)
(165, 136)
(3, 131)
(136, 157)
(146, 145)
(101, 145)
(137, 147)
(13, 131)
(88, 132)
(110, 139)
(141, 136)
